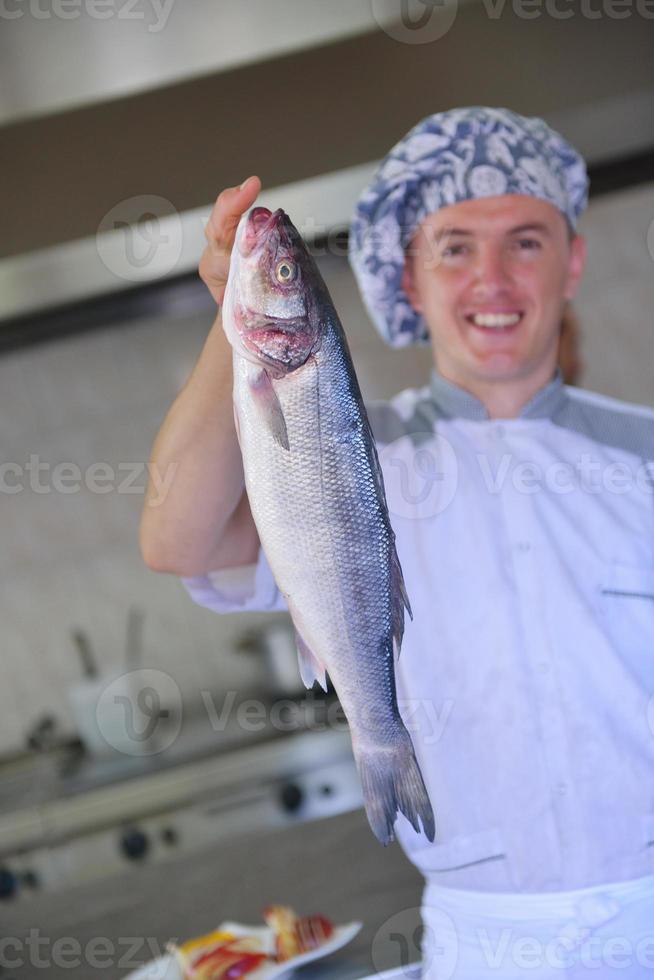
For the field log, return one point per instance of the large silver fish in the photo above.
(317, 498)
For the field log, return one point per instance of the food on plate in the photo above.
(294, 934)
(317, 497)
(219, 956)
(227, 954)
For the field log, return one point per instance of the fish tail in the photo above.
(391, 781)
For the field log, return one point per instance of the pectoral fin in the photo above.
(310, 667)
(266, 400)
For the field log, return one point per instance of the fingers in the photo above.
(220, 232)
(227, 212)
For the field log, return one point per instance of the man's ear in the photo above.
(409, 284)
(576, 265)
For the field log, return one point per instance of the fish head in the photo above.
(271, 312)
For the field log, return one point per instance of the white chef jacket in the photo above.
(526, 676)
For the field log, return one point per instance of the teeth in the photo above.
(496, 319)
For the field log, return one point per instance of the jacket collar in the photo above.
(454, 401)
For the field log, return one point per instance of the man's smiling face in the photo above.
(491, 277)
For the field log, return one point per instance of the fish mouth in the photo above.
(259, 223)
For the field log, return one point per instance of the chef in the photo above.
(524, 516)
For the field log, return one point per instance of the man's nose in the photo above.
(491, 272)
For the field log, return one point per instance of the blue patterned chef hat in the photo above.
(449, 157)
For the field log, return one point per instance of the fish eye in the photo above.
(285, 271)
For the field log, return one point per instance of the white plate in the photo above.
(166, 967)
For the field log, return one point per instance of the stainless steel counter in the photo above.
(334, 866)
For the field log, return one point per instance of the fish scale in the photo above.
(336, 533)
(317, 498)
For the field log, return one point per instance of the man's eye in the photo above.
(529, 244)
(453, 250)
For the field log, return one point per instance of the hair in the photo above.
(572, 234)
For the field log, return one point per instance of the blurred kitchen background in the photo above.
(118, 127)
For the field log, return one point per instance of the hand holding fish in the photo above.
(220, 231)
(196, 516)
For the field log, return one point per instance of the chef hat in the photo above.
(449, 157)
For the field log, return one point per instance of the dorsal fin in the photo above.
(399, 601)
